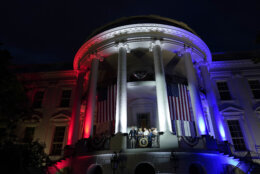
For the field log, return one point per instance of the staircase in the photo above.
(245, 158)
(57, 167)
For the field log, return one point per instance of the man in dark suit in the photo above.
(132, 137)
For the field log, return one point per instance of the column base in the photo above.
(168, 141)
(118, 142)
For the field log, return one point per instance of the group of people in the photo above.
(143, 137)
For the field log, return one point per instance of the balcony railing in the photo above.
(152, 141)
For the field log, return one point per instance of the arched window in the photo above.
(94, 169)
(144, 168)
(196, 169)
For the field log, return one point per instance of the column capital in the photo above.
(200, 64)
(185, 49)
(123, 45)
(154, 43)
(96, 56)
(79, 72)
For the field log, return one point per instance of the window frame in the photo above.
(41, 101)
(241, 137)
(68, 98)
(56, 121)
(221, 91)
(255, 89)
(53, 142)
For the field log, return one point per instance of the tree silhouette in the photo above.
(16, 157)
(13, 100)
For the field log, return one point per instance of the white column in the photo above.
(91, 98)
(217, 120)
(194, 94)
(121, 99)
(161, 90)
(75, 115)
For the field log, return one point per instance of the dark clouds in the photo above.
(44, 31)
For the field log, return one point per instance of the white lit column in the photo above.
(161, 90)
(91, 98)
(218, 122)
(121, 99)
(194, 94)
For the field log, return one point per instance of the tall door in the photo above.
(143, 120)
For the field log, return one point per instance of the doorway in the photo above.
(143, 120)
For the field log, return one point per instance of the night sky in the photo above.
(50, 31)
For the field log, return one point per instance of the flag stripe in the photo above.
(179, 103)
(106, 104)
(174, 110)
(179, 106)
(184, 104)
(187, 108)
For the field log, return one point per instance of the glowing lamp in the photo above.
(222, 132)
(202, 126)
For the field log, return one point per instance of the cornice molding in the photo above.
(233, 64)
(47, 75)
(151, 31)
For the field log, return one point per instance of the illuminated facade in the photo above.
(148, 72)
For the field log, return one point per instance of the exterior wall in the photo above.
(50, 114)
(242, 106)
(236, 73)
(162, 162)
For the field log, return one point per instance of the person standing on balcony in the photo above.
(146, 132)
(132, 137)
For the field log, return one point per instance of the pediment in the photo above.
(257, 108)
(232, 110)
(62, 112)
(257, 111)
(34, 118)
(62, 116)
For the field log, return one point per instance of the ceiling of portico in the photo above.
(141, 60)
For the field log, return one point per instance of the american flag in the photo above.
(179, 105)
(179, 102)
(106, 104)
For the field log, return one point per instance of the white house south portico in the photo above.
(145, 101)
(161, 40)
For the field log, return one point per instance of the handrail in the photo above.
(230, 149)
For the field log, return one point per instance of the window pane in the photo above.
(223, 91)
(65, 98)
(58, 140)
(236, 134)
(59, 134)
(56, 149)
(37, 102)
(255, 87)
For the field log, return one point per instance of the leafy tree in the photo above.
(13, 100)
(15, 156)
(22, 158)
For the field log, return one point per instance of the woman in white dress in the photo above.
(146, 132)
